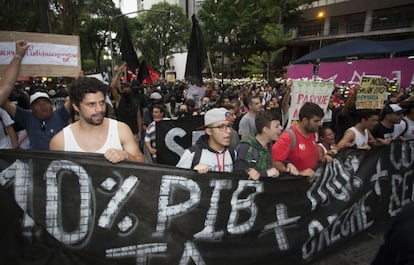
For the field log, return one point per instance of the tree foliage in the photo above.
(258, 30)
(161, 31)
(87, 18)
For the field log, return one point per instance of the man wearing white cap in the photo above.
(211, 152)
(41, 123)
(390, 118)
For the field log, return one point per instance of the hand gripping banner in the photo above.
(72, 208)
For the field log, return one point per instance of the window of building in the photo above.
(392, 18)
(310, 28)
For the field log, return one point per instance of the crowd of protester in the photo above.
(245, 124)
(141, 106)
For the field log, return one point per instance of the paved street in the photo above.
(361, 253)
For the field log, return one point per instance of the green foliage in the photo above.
(159, 34)
(254, 28)
(87, 18)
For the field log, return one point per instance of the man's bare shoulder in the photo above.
(57, 143)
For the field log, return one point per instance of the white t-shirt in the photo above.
(409, 133)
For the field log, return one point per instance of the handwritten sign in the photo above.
(303, 91)
(370, 94)
(48, 55)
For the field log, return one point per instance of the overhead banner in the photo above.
(49, 55)
(371, 92)
(303, 91)
(401, 68)
(71, 208)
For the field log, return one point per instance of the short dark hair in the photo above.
(85, 85)
(264, 118)
(322, 131)
(309, 110)
(250, 99)
(366, 114)
(161, 107)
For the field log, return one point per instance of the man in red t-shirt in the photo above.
(302, 158)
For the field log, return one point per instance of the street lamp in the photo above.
(111, 19)
(321, 16)
(223, 43)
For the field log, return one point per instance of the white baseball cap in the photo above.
(217, 115)
(38, 95)
(155, 95)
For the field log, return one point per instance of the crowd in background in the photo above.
(180, 99)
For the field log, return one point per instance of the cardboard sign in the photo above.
(48, 55)
(370, 94)
(303, 91)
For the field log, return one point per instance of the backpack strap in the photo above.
(197, 154)
(232, 153)
(292, 138)
(242, 150)
(4, 126)
(406, 127)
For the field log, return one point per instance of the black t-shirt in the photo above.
(343, 122)
(380, 131)
(127, 111)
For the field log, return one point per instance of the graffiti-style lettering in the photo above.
(165, 211)
(53, 203)
(350, 221)
(191, 253)
(247, 204)
(170, 140)
(282, 222)
(107, 217)
(208, 232)
(141, 252)
(400, 186)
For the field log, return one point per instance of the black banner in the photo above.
(68, 208)
(174, 136)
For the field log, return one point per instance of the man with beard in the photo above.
(41, 122)
(296, 151)
(93, 132)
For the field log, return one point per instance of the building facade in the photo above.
(330, 21)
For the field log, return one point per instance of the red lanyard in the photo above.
(218, 161)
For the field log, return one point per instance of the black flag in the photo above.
(143, 72)
(128, 52)
(196, 55)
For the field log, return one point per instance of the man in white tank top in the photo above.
(93, 132)
(359, 136)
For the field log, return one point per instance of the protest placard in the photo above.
(48, 55)
(303, 91)
(370, 94)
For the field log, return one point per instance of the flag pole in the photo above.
(209, 65)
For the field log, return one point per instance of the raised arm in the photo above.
(10, 74)
(286, 99)
(116, 84)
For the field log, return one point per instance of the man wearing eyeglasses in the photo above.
(212, 152)
(41, 122)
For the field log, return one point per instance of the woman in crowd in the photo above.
(327, 144)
